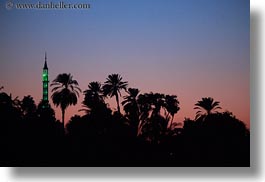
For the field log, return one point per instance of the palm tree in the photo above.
(130, 101)
(150, 105)
(153, 125)
(206, 106)
(158, 101)
(113, 86)
(172, 106)
(65, 92)
(93, 96)
(131, 108)
(144, 105)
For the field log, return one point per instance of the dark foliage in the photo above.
(145, 135)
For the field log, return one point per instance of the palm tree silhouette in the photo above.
(144, 106)
(65, 92)
(157, 101)
(150, 105)
(130, 101)
(153, 125)
(113, 86)
(172, 106)
(93, 96)
(131, 108)
(206, 106)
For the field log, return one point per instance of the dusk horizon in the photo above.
(75, 110)
(180, 53)
(155, 50)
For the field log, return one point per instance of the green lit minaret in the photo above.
(45, 83)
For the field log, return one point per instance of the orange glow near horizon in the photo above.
(188, 94)
(172, 47)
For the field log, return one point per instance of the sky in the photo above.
(189, 48)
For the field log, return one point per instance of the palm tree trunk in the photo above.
(63, 112)
(118, 105)
(171, 121)
(168, 119)
(167, 115)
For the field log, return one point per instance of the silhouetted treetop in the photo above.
(206, 106)
(146, 134)
(130, 101)
(131, 108)
(28, 105)
(65, 92)
(172, 106)
(95, 91)
(113, 86)
(65, 81)
(94, 97)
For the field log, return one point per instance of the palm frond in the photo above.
(207, 104)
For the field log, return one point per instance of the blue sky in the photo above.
(191, 48)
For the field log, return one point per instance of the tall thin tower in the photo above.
(45, 83)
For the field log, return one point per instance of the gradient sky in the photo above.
(190, 48)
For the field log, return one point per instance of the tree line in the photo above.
(145, 135)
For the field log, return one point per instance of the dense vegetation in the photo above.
(145, 135)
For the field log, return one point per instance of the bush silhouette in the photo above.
(145, 135)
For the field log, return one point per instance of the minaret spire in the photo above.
(45, 63)
(45, 83)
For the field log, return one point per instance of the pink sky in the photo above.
(172, 47)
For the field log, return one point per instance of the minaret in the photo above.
(45, 83)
